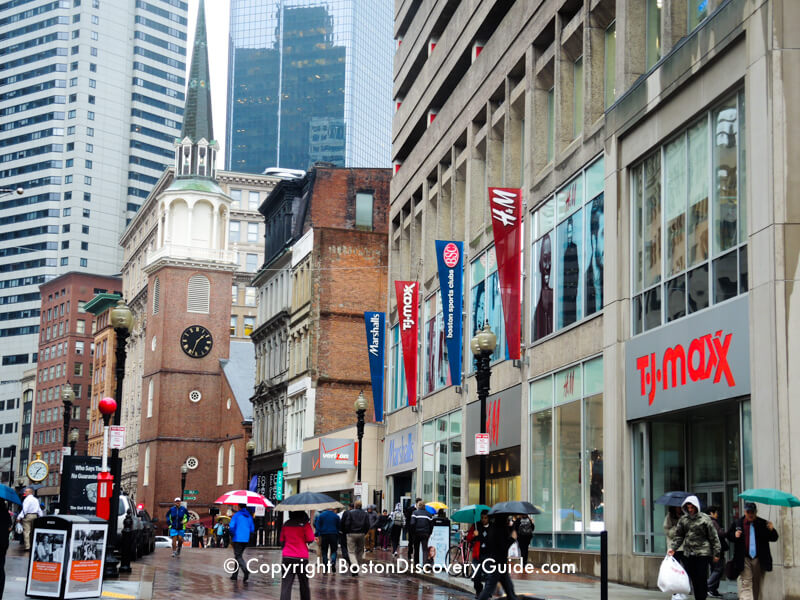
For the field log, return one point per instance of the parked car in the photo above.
(163, 541)
(148, 537)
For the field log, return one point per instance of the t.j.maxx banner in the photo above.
(450, 256)
(407, 303)
(505, 205)
(376, 327)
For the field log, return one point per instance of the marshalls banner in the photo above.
(376, 328)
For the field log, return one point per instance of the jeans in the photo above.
(297, 568)
(717, 569)
(355, 547)
(395, 535)
(343, 546)
(238, 554)
(491, 583)
(328, 542)
(697, 570)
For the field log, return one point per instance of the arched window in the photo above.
(231, 462)
(220, 464)
(146, 466)
(156, 295)
(150, 399)
(198, 294)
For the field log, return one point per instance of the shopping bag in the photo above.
(672, 577)
(18, 528)
(513, 551)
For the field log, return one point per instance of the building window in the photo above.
(577, 100)
(150, 398)
(567, 422)
(653, 32)
(364, 203)
(249, 325)
(437, 370)
(610, 56)
(251, 264)
(296, 423)
(231, 463)
(486, 302)
(234, 294)
(233, 233)
(233, 325)
(80, 326)
(146, 477)
(250, 296)
(688, 198)
(220, 464)
(236, 198)
(252, 203)
(84, 262)
(252, 232)
(441, 459)
(79, 348)
(399, 397)
(198, 294)
(568, 246)
(156, 295)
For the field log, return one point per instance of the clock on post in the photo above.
(38, 469)
(196, 341)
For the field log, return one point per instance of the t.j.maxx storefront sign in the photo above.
(696, 360)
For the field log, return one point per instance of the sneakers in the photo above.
(714, 594)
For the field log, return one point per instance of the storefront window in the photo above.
(486, 302)
(398, 397)
(441, 459)
(567, 456)
(568, 250)
(437, 372)
(672, 212)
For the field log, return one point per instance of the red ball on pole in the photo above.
(107, 406)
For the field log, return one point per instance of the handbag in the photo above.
(731, 572)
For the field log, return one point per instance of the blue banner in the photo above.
(376, 328)
(450, 257)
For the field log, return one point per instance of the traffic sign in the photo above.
(481, 443)
(190, 497)
(192, 492)
(116, 437)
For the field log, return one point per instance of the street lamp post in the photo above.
(13, 450)
(68, 398)
(482, 346)
(361, 409)
(251, 448)
(184, 471)
(73, 439)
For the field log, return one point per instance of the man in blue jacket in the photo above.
(176, 521)
(241, 527)
(326, 529)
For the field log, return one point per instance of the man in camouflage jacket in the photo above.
(701, 545)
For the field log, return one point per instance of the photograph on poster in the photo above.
(86, 554)
(47, 558)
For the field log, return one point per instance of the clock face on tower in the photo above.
(196, 341)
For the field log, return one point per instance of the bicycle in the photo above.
(460, 554)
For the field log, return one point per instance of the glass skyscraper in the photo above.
(308, 81)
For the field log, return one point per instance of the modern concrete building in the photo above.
(92, 99)
(308, 81)
(655, 358)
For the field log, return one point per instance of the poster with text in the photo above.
(87, 551)
(47, 561)
(439, 544)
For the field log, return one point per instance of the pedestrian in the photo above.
(241, 527)
(177, 516)
(29, 513)
(478, 536)
(498, 541)
(296, 534)
(701, 546)
(752, 558)
(327, 525)
(524, 528)
(422, 527)
(355, 523)
(369, 541)
(398, 521)
(218, 531)
(383, 530)
(226, 535)
(5, 532)
(718, 568)
(408, 511)
(440, 520)
(201, 535)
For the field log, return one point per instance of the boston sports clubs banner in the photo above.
(407, 302)
(505, 205)
(376, 327)
(450, 256)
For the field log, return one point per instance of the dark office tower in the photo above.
(309, 80)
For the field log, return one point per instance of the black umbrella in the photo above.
(515, 507)
(673, 498)
(308, 501)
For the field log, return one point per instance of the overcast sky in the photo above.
(217, 22)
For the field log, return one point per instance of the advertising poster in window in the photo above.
(87, 552)
(543, 287)
(595, 243)
(570, 240)
(47, 562)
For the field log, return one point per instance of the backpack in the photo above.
(398, 518)
(525, 528)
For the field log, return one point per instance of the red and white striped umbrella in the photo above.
(243, 497)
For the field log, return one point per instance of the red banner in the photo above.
(505, 205)
(407, 312)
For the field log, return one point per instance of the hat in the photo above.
(750, 506)
(177, 500)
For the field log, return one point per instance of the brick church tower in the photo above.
(186, 417)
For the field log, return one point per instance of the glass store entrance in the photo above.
(705, 451)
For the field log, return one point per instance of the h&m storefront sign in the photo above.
(696, 360)
(400, 451)
(503, 420)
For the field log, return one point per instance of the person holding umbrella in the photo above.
(478, 535)
(498, 541)
(241, 527)
(752, 558)
(296, 535)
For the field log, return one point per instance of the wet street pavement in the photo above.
(199, 573)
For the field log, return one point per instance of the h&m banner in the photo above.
(505, 205)
(408, 314)
(376, 328)
(450, 256)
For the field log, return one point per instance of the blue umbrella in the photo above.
(430, 509)
(6, 493)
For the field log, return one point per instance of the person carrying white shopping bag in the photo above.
(672, 577)
(701, 545)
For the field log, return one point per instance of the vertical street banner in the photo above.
(407, 311)
(450, 256)
(505, 206)
(376, 330)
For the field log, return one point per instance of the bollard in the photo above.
(603, 565)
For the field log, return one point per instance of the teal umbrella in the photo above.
(469, 514)
(770, 496)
